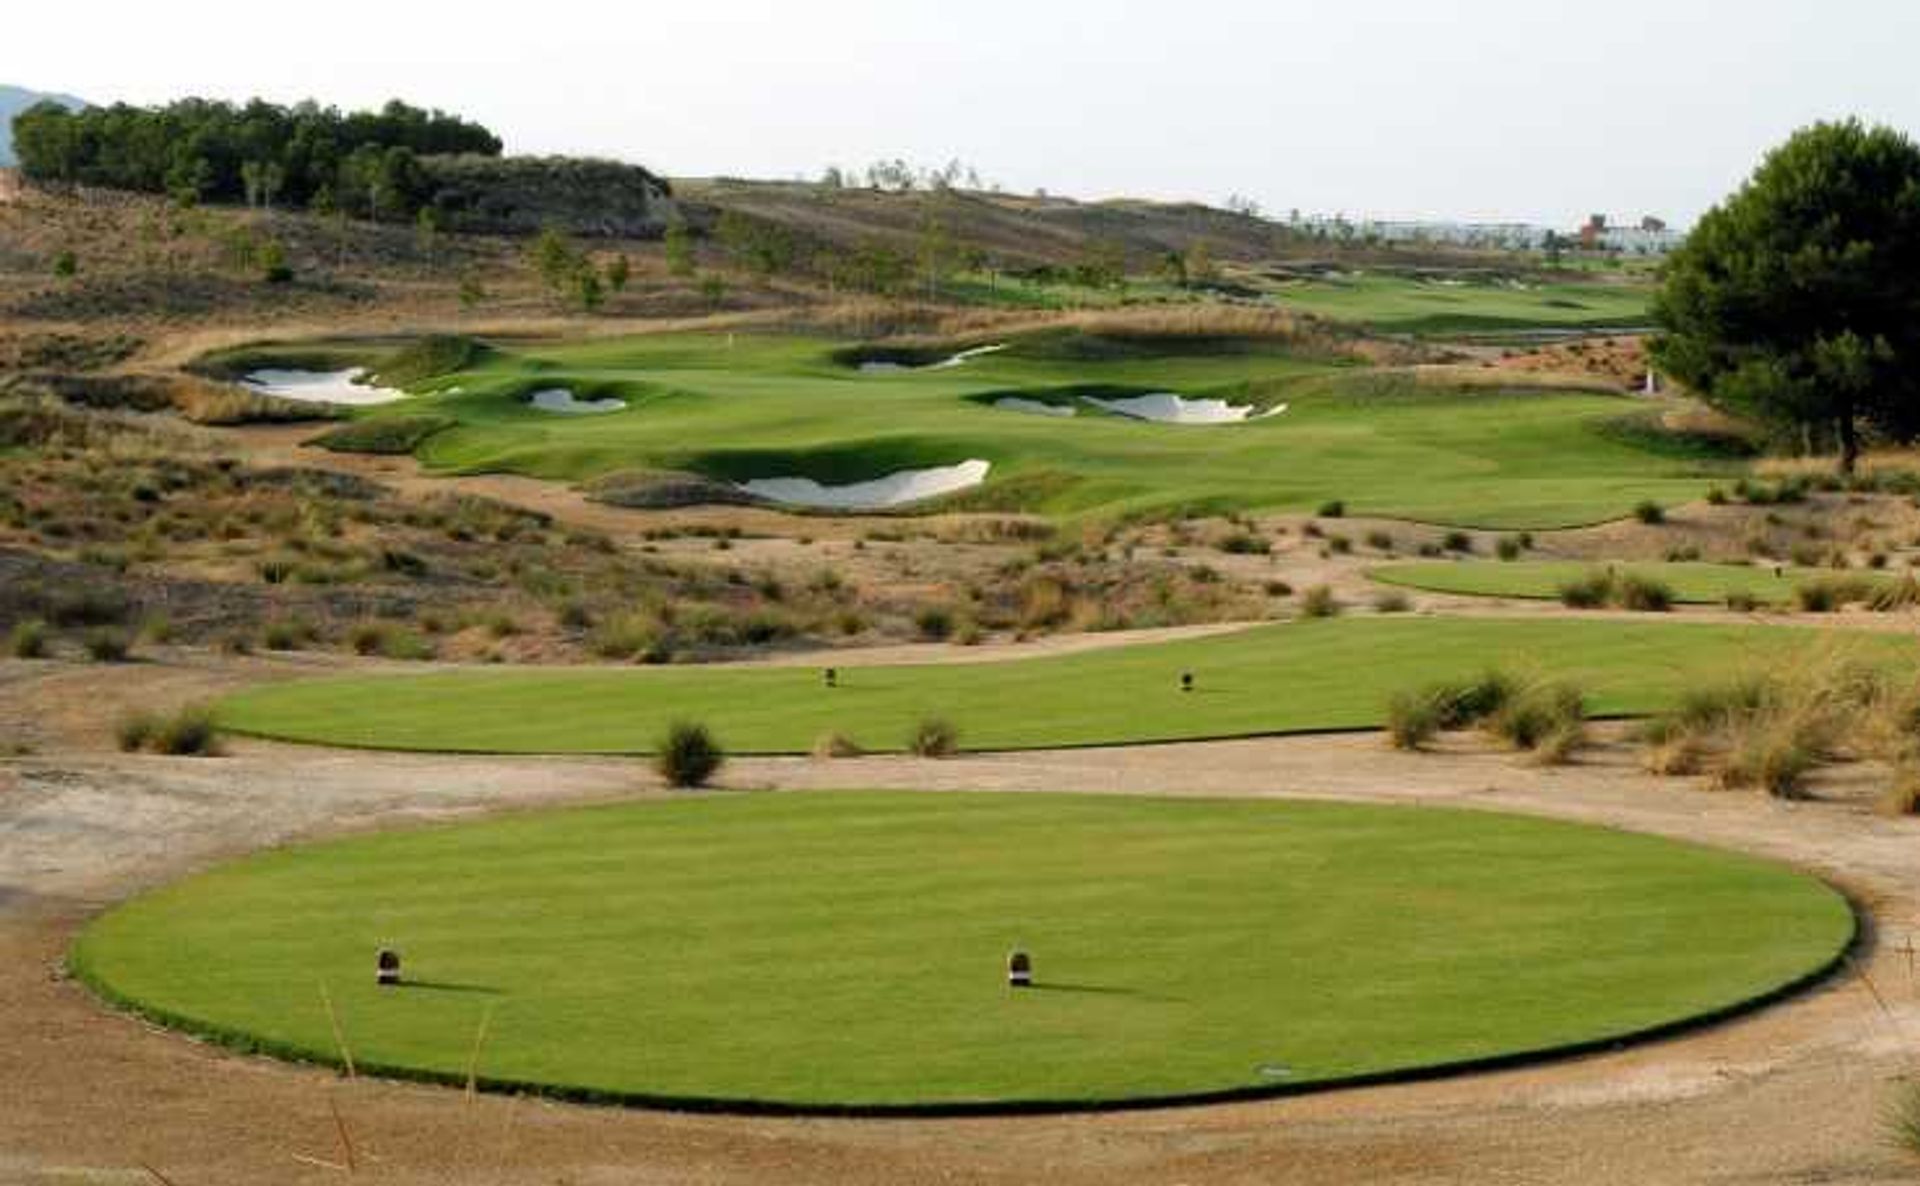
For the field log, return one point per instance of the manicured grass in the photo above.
(1695, 583)
(1306, 676)
(1403, 304)
(742, 406)
(846, 949)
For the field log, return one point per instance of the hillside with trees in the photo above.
(263, 154)
(14, 100)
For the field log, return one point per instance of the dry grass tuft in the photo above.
(836, 745)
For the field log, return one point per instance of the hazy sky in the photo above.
(1486, 109)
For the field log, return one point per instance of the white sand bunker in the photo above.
(562, 401)
(1164, 407)
(320, 387)
(885, 368)
(1034, 407)
(893, 490)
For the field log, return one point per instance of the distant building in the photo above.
(1651, 237)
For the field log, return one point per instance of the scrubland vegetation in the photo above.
(1774, 728)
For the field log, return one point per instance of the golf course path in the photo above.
(1793, 1093)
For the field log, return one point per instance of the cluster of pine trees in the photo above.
(365, 162)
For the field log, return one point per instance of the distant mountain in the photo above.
(14, 100)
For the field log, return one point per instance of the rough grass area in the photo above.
(1692, 583)
(731, 407)
(1319, 675)
(847, 950)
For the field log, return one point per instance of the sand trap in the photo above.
(895, 489)
(1164, 407)
(1034, 407)
(560, 400)
(320, 387)
(886, 368)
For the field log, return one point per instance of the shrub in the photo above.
(1245, 543)
(28, 639)
(1413, 717)
(189, 731)
(1336, 509)
(629, 636)
(836, 745)
(1671, 749)
(1535, 713)
(1278, 589)
(1772, 753)
(1902, 594)
(1830, 593)
(1319, 602)
(1902, 797)
(1903, 1120)
(288, 634)
(1591, 591)
(934, 737)
(1457, 541)
(389, 641)
(365, 638)
(1560, 744)
(108, 645)
(1469, 701)
(1507, 548)
(1643, 594)
(935, 623)
(1742, 602)
(688, 756)
(134, 730)
(402, 643)
(1650, 512)
(1392, 601)
(1380, 541)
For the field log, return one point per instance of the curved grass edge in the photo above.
(241, 1042)
(1394, 573)
(1384, 574)
(875, 751)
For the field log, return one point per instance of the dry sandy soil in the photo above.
(1794, 1093)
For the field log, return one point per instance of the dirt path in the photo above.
(1792, 1094)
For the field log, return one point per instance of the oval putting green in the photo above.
(1299, 677)
(845, 951)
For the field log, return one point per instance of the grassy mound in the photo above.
(430, 358)
(833, 951)
(387, 435)
(1321, 675)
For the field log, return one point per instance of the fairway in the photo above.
(1401, 304)
(1692, 582)
(1295, 677)
(846, 950)
(742, 407)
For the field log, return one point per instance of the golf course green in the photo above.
(1295, 677)
(845, 951)
(735, 408)
(1692, 582)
